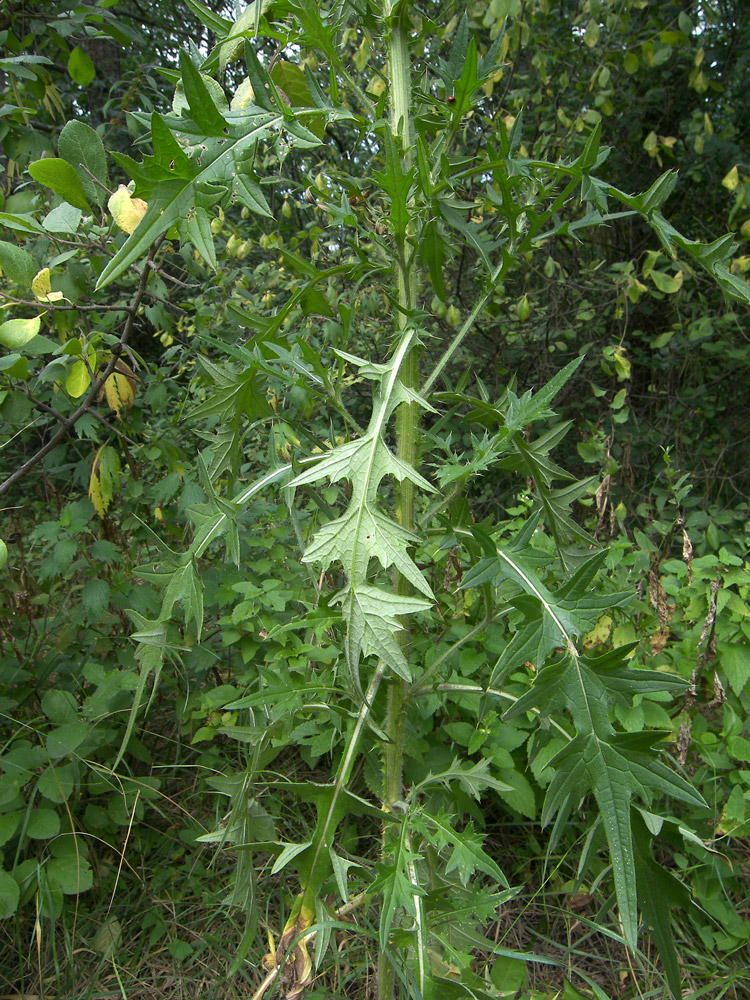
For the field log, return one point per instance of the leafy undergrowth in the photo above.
(157, 924)
(156, 893)
(168, 915)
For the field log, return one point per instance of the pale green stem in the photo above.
(465, 328)
(493, 693)
(344, 772)
(407, 418)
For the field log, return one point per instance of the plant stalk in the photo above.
(407, 421)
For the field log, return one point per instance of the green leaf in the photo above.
(63, 219)
(289, 853)
(612, 766)
(509, 975)
(659, 891)
(520, 795)
(59, 706)
(667, 283)
(82, 148)
(174, 183)
(652, 199)
(78, 379)
(220, 26)
(81, 68)
(58, 175)
(43, 824)
(18, 332)
(341, 868)
(396, 183)
(591, 34)
(233, 44)
(17, 263)
(198, 231)
(66, 739)
(733, 287)
(363, 533)
(292, 82)
(631, 63)
(473, 779)
(686, 25)
(394, 882)
(203, 110)
(476, 234)
(247, 190)
(10, 894)
(72, 873)
(58, 783)
(237, 394)
(468, 855)
(555, 619)
(9, 823)
(95, 598)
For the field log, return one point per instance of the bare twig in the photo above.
(89, 409)
(95, 179)
(171, 277)
(69, 307)
(93, 392)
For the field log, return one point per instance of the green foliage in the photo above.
(303, 365)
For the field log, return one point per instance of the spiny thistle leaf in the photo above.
(364, 532)
(612, 766)
(658, 892)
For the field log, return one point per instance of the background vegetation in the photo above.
(192, 714)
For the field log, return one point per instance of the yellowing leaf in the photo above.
(126, 210)
(666, 282)
(120, 389)
(622, 365)
(243, 96)
(41, 286)
(731, 180)
(105, 478)
(599, 633)
(17, 332)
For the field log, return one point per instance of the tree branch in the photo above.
(89, 409)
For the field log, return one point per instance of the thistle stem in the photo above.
(407, 422)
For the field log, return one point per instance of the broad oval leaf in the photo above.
(18, 332)
(58, 175)
(83, 149)
(81, 68)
